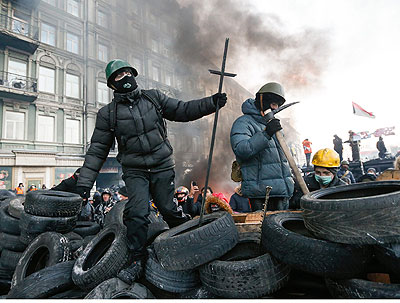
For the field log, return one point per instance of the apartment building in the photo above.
(52, 83)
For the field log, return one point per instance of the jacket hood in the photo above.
(249, 108)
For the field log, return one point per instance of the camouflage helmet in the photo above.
(114, 66)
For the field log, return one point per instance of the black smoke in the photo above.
(297, 60)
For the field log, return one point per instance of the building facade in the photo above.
(52, 83)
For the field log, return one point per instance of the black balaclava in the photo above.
(267, 99)
(126, 84)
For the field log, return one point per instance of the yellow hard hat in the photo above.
(326, 158)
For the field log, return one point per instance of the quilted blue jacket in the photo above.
(260, 157)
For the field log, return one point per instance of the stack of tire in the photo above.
(188, 261)
(48, 210)
(340, 234)
(11, 248)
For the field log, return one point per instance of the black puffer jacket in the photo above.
(312, 185)
(142, 141)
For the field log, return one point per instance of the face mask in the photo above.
(125, 85)
(323, 180)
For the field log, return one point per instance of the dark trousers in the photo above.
(308, 157)
(274, 203)
(142, 187)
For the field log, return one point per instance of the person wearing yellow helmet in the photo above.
(326, 164)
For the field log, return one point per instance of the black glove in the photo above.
(273, 126)
(220, 98)
(84, 192)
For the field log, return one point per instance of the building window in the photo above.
(136, 34)
(17, 73)
(17, 67)
(72, 131)
(72, 86)
(45, 128)
(14, 125)
(48, 34)
(102, 92)
(72, 43)
(156, 73)
(73, 7)
(102, 19)
(20, 22)
(103, 53)
(46, 79)
(137, 64)
(155, 46)
(168, 78)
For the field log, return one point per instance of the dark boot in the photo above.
(131, 273)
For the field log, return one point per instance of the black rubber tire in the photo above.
(8, 224)
(32, 226)
(16, 206)
(5, 194)
(6, 273)
(198, 293)
(156, 226)
(52, 203)
(389, 256)
(172, 281)
(188, 246)
(44, 283)
(11, 242)
(73, 293)
(106, 289)
(86, 228)
(4, 288)
(9, 259)
(360, 213)
(362, 289)
(102, 258)
(46, 250)
(244, 272)
(286, 238)
(135, 291)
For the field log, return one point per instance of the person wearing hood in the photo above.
(326, 164)
(135, 118)
(261, 159)
(239, 203)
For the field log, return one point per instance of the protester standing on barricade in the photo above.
(135, 119)
(258, 152)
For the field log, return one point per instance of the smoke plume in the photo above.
(296, 60)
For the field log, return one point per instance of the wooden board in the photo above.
(389, 174)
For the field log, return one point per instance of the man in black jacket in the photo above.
(135, 119)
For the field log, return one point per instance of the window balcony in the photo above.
(19, 34)
(18, 87)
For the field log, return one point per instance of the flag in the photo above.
(385, 131)
(364, 135)
(359, 111)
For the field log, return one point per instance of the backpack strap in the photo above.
(159, 110)
(113, 115)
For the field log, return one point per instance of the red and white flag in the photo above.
(359, 111)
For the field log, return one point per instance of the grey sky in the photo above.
(363, 66)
